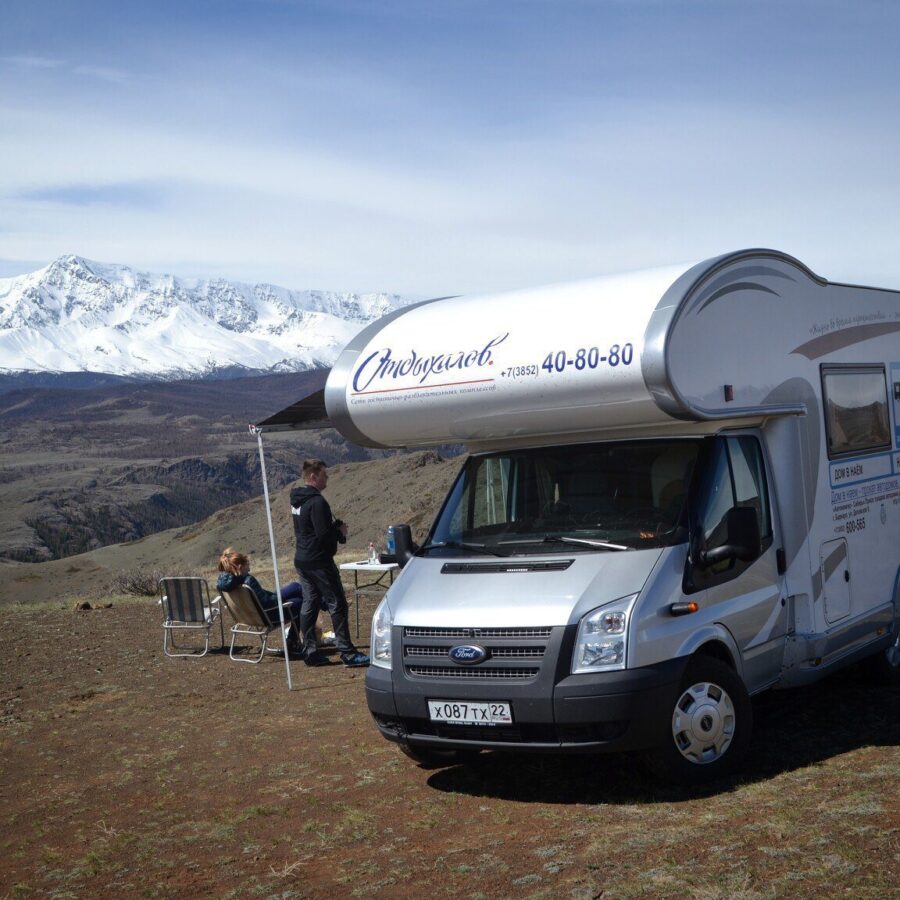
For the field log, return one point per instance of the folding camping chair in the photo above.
(187, 607)
(252, 619)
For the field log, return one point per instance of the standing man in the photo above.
(318, 534)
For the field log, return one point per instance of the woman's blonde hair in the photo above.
(232, 561)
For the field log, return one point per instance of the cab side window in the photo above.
(750, 487)
(718, 500)
(735, 478)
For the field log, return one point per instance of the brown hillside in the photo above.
(369, 496)
(82, 469)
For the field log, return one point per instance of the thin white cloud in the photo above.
(104, 73)
(33, 62)
(631, 190)
(65, 67)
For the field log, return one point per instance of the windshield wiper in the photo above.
(461, 545)
(587, 542)
(564, 539)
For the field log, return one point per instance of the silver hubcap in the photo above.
(703, 723)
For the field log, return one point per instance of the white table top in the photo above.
(366, 566)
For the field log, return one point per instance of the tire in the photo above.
(708, 729)
(884, 668)
(437, 759)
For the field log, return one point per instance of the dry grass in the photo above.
(126, 774)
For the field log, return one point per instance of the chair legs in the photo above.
(169, 640)
(254, 631)
(173, 649)
(215, 612)
(170, 644)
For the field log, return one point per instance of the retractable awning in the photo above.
(304, 414)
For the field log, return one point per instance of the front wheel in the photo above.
(437, 759)
(709, 728)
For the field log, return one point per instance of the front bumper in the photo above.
(555, 713)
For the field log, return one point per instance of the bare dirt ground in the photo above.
(126, 774)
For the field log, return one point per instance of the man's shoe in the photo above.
(355, 660)
(316, 659)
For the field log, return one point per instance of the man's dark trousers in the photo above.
(322, 587)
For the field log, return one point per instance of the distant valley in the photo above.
(80, 469)
(368, 495)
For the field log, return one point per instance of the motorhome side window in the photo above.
(570, 499)
(856, 409)
(735, 479)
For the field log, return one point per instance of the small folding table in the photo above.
(376, 585)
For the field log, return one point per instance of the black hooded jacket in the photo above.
(315, 528)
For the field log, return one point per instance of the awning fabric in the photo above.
(304, 414)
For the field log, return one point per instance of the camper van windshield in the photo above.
(584, 498)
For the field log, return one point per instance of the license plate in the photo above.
(470, 712)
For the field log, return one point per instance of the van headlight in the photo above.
(381, 635)
(603, 637)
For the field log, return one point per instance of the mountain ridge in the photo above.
(80, 316)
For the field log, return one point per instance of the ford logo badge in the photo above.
(468, 654)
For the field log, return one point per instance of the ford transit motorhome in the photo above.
(683, 489)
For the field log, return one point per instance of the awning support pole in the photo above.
(265, 481)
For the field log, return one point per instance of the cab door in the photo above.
(748, 594)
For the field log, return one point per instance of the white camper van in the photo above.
(683, 489)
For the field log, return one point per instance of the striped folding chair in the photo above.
(187, 607)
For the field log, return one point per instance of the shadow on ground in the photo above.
(792, 730)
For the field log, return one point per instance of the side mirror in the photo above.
(403, 544)
(743, 542)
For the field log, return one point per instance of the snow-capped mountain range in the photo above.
(76, 315)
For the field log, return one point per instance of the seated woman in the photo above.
(235, 570)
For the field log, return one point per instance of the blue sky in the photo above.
(433, 148)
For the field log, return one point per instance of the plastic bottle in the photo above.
(373, 553)
(390, 545)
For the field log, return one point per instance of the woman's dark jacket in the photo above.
(228, 582)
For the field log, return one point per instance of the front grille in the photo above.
(535, 633)
(512, 632)
(518, 652)
(426, 652)
(477, 672)
(496, 652)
